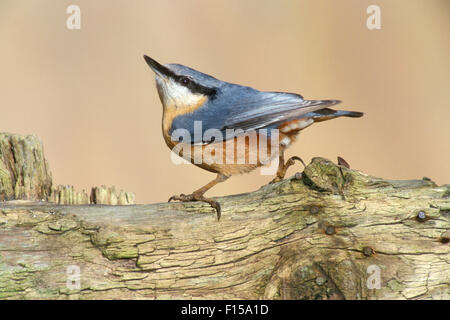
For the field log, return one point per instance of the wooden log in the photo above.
(328, 233)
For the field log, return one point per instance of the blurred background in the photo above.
(90, 97)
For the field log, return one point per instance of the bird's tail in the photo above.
(327, 114)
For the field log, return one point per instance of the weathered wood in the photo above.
(99, 195)
(24, 172)
(25, 175)
(314, 237)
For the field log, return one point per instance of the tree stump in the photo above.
(24, 172)
(328, 233)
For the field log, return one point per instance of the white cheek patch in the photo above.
(177, 95)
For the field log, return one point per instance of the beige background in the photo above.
(90, 97)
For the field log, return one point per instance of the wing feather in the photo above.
(273, 113)
(238, 107)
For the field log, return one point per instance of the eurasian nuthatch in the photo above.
(231, 111)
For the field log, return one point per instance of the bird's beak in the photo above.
(159, 69)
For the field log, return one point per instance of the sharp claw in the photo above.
(282, 170)
(219, 212)
(195, 197)
(299, 159)
(215, 205)
(181, 197)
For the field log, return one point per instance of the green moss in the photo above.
(18, 281)
(120, 252)
(114, 246)
(395, 286)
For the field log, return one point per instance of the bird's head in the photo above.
(180, 86)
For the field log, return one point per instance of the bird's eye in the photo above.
(184, 80)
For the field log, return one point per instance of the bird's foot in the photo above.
(283, 168)
(198, 197)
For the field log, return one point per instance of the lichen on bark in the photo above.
(317, 236)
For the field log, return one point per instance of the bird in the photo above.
(220, 126)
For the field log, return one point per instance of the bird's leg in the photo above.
(197, 195)
(283, 166)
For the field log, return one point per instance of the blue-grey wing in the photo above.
(243, 108)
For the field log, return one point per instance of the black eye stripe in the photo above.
(195, 87)
(184, 80)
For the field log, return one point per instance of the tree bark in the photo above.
(328, 233)
(24, 172)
